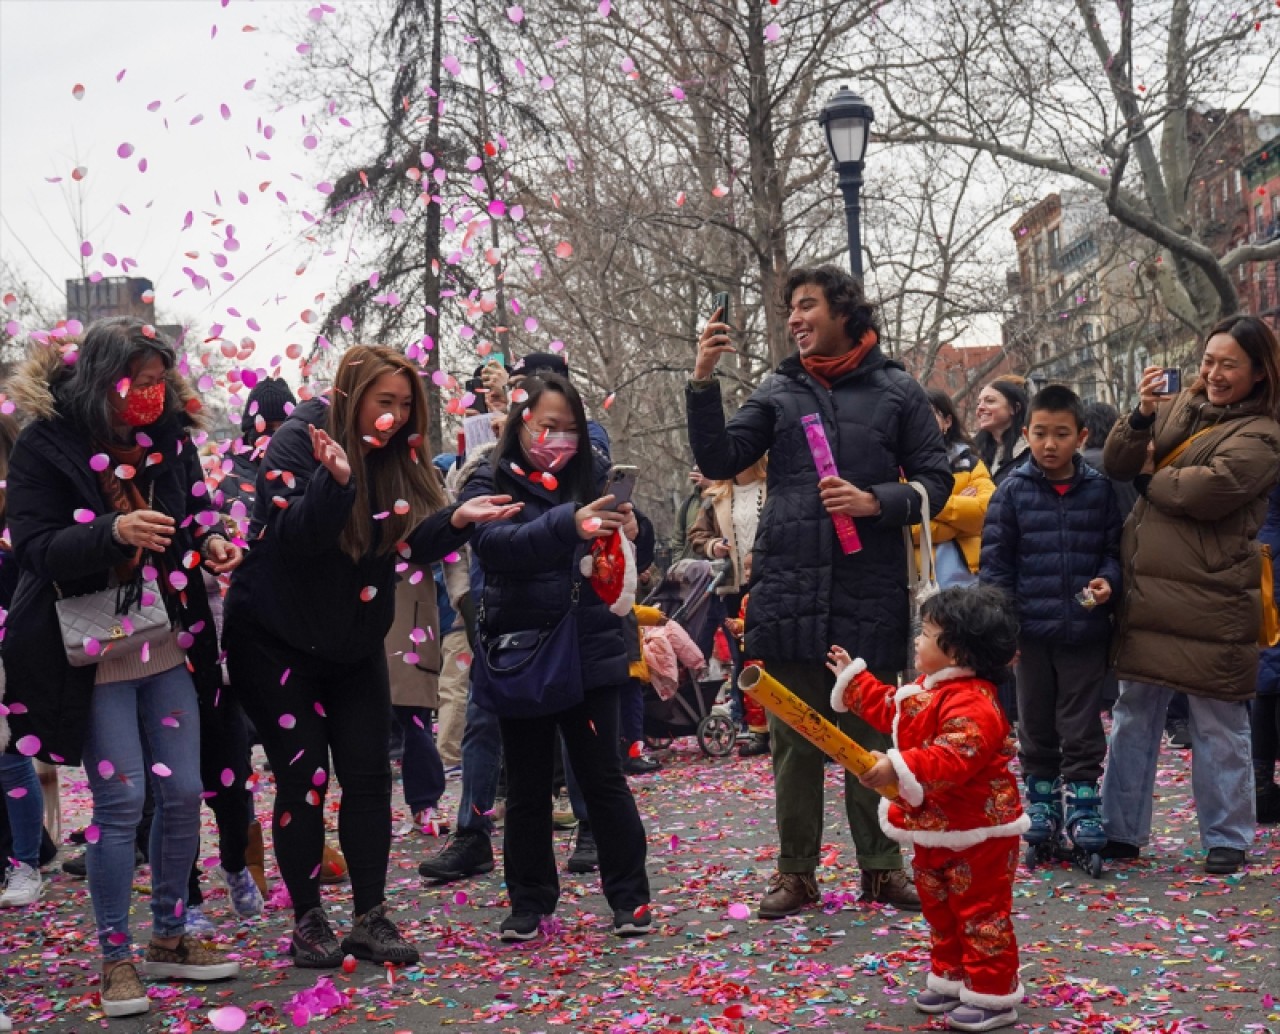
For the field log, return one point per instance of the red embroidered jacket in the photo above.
(951, 752)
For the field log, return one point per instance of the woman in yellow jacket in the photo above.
(957, 527)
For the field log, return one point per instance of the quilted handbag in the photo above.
(117, 621)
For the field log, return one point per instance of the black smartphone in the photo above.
(720, 301)
(1172, 381)
(621, 483)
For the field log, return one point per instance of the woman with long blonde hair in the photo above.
(345, 490)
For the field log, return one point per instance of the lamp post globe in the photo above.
(846, 119)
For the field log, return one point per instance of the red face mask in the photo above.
(143, 406)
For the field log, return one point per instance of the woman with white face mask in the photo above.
(540, 578)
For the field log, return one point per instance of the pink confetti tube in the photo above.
(846, 532)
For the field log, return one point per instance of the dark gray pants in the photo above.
(1060, 709)
(799, 771)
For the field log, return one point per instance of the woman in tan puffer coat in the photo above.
(1203, 461)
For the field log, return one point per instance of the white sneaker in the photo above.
(24, 887)
(5, 1023)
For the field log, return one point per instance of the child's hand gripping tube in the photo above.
(846, 531)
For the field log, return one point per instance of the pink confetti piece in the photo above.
(83, 516)
(228, 777)
(288, 721)
(228, 1018)
(739, 911)
(92, 834)
(28, 745)
(161, 769)
(125, 150)
(318, 777)
(106, 769)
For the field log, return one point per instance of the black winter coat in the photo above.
(296, 583)
(806, 594)
(530, 562)
(49, 480)
(1043, 548)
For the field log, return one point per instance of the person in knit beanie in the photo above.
(272, 400)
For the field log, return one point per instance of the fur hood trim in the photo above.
(32, 384)
(479, 457)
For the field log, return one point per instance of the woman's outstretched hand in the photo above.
(483, 509)
(330, 455)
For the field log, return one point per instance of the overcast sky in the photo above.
(127, 55)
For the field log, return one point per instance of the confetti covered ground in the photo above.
(1156, 946)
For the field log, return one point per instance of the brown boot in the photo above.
(890, 887)
(255, 857)
(788, 893)
(333, 867)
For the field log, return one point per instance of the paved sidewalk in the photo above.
(1154, 946)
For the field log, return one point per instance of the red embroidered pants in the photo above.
(967, 897)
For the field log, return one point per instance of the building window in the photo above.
(1257, 218)
(1053, 244)
(1226, 190)
(1086, 332)
(1235, 176)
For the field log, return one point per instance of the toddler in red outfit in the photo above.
(957, 801)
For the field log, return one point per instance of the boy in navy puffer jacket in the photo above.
(1052, 542)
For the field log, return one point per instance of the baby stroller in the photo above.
(687, 596)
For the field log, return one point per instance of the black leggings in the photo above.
(1264, 721)
(224, 771)
(353, 723)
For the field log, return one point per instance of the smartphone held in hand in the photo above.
(621, 483)
(720, 303)
(1172, 381)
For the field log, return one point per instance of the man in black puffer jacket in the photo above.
(806, 593)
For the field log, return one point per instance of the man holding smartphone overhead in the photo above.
(807, 593)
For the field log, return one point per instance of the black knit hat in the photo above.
(271, 396)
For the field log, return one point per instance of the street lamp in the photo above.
(847, 119)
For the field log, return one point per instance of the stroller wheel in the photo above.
(716, 735)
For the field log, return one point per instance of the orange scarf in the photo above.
(827, 369)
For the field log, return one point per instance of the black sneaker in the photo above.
(632, 922)
(79, 865)
(642, 765)
(375, 938)
(520, 926)
(585, 857)
(314, 946)
(1177, 733)
(468, 853)
(1224, 861)
(1118, 850)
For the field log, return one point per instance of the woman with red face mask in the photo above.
(105, 490)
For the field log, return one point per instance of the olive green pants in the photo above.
(799, 770)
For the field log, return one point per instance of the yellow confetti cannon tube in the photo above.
(775, 698)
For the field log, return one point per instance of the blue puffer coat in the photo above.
(530, 563)
(1042, 548)
(1269, 535)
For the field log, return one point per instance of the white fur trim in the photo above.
(856, 667)
(929, 681)
(955, 839)
(911, 689)
(971, 997)
(943, 986)
(908, 785)
(627, 597)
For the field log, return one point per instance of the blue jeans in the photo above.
(1221, 774)
(421, 769)
(121, 715)
(26, 811)
(481, 756)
